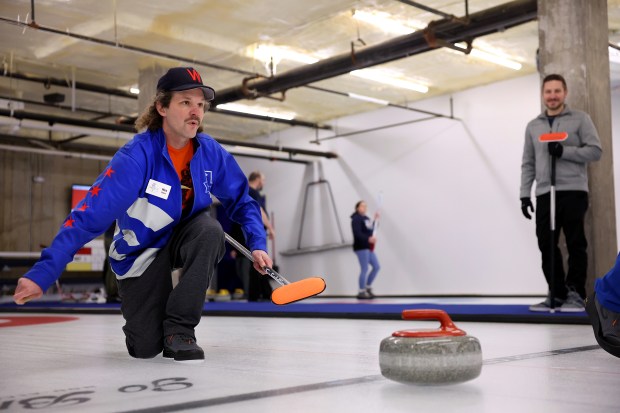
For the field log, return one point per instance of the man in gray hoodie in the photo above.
(572, 155)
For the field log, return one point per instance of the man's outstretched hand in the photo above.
(26, 290)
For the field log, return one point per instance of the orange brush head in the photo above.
(298, 290)
(553, 137)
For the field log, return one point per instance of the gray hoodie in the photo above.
(582, 146)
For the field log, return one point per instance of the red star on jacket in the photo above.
(95, 190)
(109, 172)
(69, 223)
(83, 207)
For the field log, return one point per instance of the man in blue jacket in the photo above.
(158, 188)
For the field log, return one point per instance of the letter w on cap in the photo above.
(195, 75)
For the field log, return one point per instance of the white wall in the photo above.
(451, 218)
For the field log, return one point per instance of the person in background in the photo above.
(158, 189)
(259, 287)
(572, 156)
(363, 241)
(228, 280)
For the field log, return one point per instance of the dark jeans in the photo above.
(151, 307)
(570, 211)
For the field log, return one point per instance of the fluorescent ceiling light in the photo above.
(491, 56)
(368, 99)
(265, 53)
(387, 22)
(256, 110)
(380, 76)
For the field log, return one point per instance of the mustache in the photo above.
(196, 118)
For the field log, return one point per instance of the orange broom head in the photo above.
(298, 290)
(553, 137)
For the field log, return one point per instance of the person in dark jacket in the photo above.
(363, 246)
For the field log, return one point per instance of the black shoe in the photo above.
(370, 293)
(363, 295)
(181, 347)
(608, 344)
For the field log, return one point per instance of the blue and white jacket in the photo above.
(140, 189)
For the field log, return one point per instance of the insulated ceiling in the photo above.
(108, 44)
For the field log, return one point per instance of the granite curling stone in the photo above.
(430, 357)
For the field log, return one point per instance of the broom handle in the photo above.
(279, 279)
(553, 245)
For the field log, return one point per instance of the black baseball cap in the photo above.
(184, 78)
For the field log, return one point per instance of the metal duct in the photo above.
(448, 30)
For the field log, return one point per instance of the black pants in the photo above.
(259, 288)
(570, 211)
(151, 307)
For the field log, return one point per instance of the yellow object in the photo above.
(80, 266)
(238, 294)
(222, 295)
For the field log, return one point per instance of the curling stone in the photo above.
(430, 357)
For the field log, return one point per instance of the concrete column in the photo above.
(147, 82)
(574, 41)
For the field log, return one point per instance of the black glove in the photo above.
(526, 204)
(555, 149)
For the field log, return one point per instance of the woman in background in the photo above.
(363, 245)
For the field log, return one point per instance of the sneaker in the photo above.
(223, 295)
(574, 303)
(363, 295)
(183, 348)
(605, 325)
(210, 296)
(238, 294)
(370, 293)
(545, 306)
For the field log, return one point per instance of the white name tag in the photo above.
(158, 189)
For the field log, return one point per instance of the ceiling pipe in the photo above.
(426, 8)
(392, 105)
(46, 81)
(53, 119)
(101, 114)
(288, 149)
(291, 122)
(52, 152)
(95, 157)
(451, 31)
(25, 119)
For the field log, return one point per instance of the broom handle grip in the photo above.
(279, 279)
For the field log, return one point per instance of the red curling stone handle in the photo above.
(447, 328)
